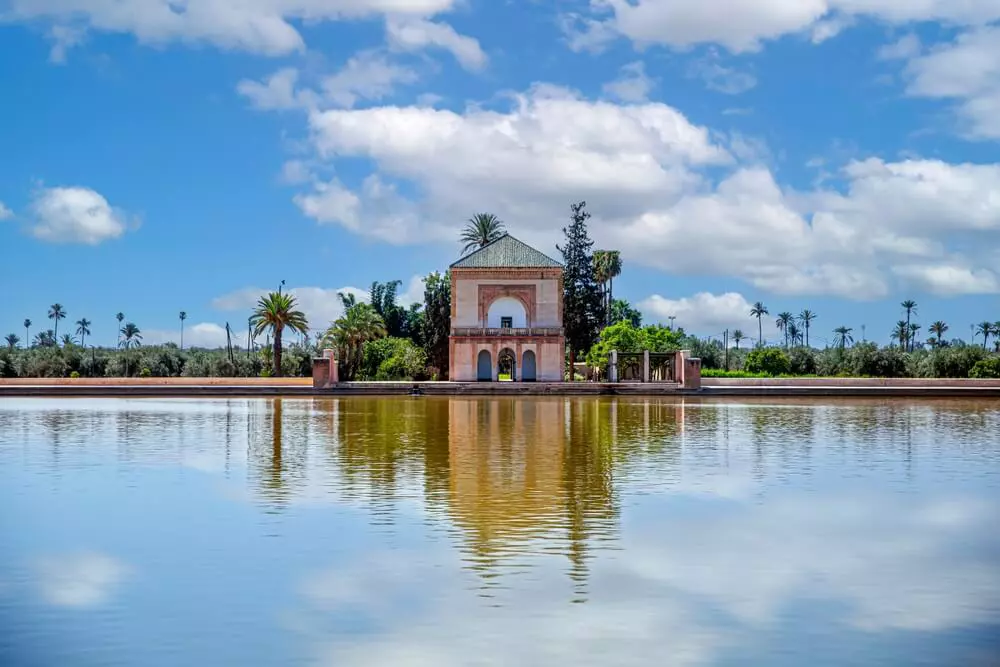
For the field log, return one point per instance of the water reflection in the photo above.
(433, 531)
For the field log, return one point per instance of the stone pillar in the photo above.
(321, 368)
(679, 358)
(645, 365)
(613, 367)
(692, 373)
(334, 365)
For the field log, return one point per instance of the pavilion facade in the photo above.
(506, 315)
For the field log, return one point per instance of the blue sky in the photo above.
(836, 155)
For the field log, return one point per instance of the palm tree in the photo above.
(806, 317)
(348, 300)
(914, 328)
(784, 319)
(793, 333)
(120, 317)
(27, 331)
(274, 313)
(759, 310)
(984, 329)
(351, 331)
(938, 329)
(901, 333)
(83, 330)
(910, 306)
(183, 316)
(607, 267)
(482, 229)
(45, 338)
(12, 341)
(842, 337)
(130, 338)
(56, 312)
(737, 337)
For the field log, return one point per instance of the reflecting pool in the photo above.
(482, 531)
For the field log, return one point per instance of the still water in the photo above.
(421, 531)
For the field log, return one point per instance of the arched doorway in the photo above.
(528, 366)
(506, 366)
(484, 366)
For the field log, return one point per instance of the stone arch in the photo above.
(507, 364)
(529, 370)
(484, 366)
(489, 294)
(510, 307)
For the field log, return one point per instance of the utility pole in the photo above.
(672, 318)
(863, 339)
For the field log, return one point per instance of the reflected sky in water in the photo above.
(424, 531)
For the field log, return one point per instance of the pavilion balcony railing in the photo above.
(507, 331)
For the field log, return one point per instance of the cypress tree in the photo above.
(437, 320)
(583, 311)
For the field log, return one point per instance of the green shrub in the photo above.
(987, 368)
(145, 373)
(75, 375)
(767, 360)
(868, 360)
(802, 361)
(952, 362)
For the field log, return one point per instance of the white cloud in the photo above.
(278, 91)
(632, 84)
(259, 26)
(648, 187)
(321, 305)
(904, 48)
(64, 38)
(75, 215)
(412, 34)
(950, 279)
(706, 313)
(80, 580)
(967, 71)
(203, 334)
(5, 213)
(719, 78)
(684, 23)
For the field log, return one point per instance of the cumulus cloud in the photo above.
(76, 215)
(654, 187)
(413, 34)
(967, 71)
(684, 23)
(278, 91)
(705, 313)
(259, 26)
(203, 334)
(80, 580)
(722, 79)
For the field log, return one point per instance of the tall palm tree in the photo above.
(793, 333)
(347, 300)
(27, 331)
(607, 267)
(360, 324)
(183, 316)
(57, 312)
(737, 337)
(12, 341)
(45, 338)
(938, 329)
(842, 337)
(274, 313)
(130, 339)
(914, 328)
(83, 330)
(759, 310)
(806, 317)
(901, 333)
(984, 329)
(784, 319)
(910, 306)
(481, 229)
(120, 317)
(67, 340)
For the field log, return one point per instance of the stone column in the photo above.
(645, 365)
(692, 374)
(324, 370)
(613, 367)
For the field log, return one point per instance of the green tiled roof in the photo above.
(506, 253)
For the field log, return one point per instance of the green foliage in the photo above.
(802, 361)
(399, 322)
(986, 368)
(349, 334)
(393, 359)
(145, 373)
(868, 360)
(481, 229)
(625, 337)
(955, 361)
(583, 310)
(75, 375)
(274, 313)
(623, 310)
(719, 373)
(437, 321)
(769, 360)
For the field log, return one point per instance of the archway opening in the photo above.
(528, 371)
(506, 313)
(484, 367)
(506, 366)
